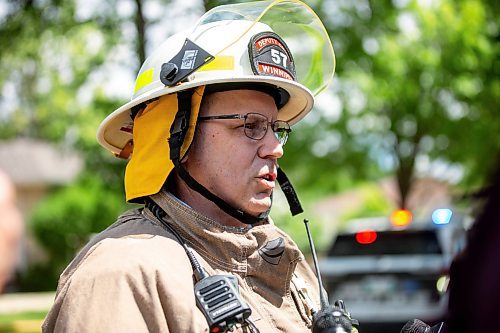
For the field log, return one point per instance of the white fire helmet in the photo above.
(281, 43)
(225, 33)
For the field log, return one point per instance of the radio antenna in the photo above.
(322, 295)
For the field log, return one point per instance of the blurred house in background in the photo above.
(34, 167)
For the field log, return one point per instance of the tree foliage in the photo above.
(49, 93)
(64, 223)
(417, 84)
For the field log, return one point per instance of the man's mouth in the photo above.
(268, 180)
(270, 177)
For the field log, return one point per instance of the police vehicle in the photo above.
(388, 273)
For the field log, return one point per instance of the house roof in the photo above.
(30, 162)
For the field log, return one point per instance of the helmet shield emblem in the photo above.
(270, 56)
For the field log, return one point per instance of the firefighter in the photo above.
(212, 110)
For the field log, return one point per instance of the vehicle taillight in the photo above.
(367, 236)
(401, 218)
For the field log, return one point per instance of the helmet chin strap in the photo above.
(227, 208)
(178, 132)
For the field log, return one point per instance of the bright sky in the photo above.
(117, 76)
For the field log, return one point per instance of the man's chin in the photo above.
(259, 206)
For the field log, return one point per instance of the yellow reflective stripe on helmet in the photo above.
(143, 79)
(220, 63)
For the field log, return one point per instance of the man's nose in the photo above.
(271, 146)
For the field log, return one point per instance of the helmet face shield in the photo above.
(296, 23)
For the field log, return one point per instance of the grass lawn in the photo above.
(25, 322)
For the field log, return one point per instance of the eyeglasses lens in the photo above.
(256, 127)
(281, 130)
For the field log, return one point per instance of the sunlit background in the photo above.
(410, 121)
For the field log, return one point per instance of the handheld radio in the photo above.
(217, 296)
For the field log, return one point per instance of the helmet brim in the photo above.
(115, 130)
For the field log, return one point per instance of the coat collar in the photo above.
(262, 252)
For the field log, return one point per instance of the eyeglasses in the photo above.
(255, 125)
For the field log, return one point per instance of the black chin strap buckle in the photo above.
(180, 126)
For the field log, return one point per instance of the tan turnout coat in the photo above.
(135, 276)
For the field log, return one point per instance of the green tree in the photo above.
(53, 81)
(46, 79)
(417, 81)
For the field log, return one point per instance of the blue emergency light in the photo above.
(442, 216)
